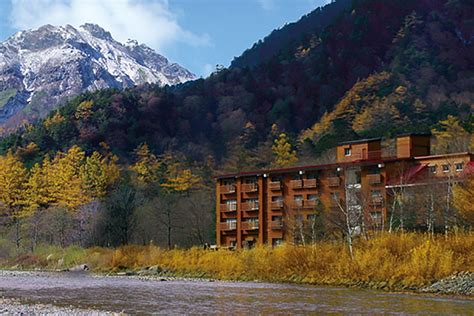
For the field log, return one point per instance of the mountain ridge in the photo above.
(379, 69)
(51, 64)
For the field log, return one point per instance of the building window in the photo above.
(253, 203)
(231, 205)
(250, 181)
(376, 217)
(313, 197)
(459, 167)
(229, 182)
(231, 223)
(278, 198)
(432, 168)
(445, 168)
(347, 151)
(277, 242)
(375, 193)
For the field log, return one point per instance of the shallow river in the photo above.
(136, 296)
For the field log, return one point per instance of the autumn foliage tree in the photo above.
(13, 179)
(464, 199)
(283, 152)
(451, 136)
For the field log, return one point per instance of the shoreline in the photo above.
(16, 306)
(437, 288)
(13, 304)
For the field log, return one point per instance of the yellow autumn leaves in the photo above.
(72, 179)
(166, 170)
(69, 180)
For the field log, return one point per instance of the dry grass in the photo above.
(390, 260)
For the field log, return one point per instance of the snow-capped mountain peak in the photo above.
(42, 67)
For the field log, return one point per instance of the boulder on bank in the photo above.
(79, 267)
(461, 283)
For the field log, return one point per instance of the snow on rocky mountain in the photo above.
(43, 67)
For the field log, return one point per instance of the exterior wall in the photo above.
(413, 145)
(359, 151)
(442, 160)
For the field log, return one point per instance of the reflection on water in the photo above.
(185, 297)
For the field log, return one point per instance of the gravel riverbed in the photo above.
(461, 283)
(16, 307)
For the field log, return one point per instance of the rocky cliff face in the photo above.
(43, 67)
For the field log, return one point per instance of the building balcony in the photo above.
(228, 207)
(310, 203)
(249, 187)
(334, 181)
(250, 206)
(297, 204)
(310, 183)
(250, 225)
(304, 204)
(228, 226)
(228, 189)
(276, 225)
(274, 185)
(376, 201)
(296, 184)
(374, 178)
(276, 205)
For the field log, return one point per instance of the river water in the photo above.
(137, 296)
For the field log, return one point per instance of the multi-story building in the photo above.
(268, 206)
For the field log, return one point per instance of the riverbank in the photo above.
(392, 262)
(76, 293)
(9, 306)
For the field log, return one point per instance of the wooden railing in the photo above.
(275, 185)
(309, 203)
(228, 226)
(310, 183)
(227, 189)
(376, 200)
(334, 181)
(250, 206)
(250, 225)
(296, 184)
(374, 178)
(276, 225)
(228, 207)
(297, 203)
(277, 205)
(249, 187)
(304, 204)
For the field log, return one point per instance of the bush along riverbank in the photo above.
(409, 261)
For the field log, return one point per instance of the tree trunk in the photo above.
(168, 228)
(17, 234)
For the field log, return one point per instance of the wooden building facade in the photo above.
(260, 207)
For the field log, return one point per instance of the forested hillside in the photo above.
(283, 41)
(376, 69)
(392, 64)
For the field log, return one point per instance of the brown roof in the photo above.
(308, 167)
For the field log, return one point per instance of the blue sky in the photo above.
(197, 34)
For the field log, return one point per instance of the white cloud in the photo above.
(267, 5)
(149, 21)
(207, 70)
